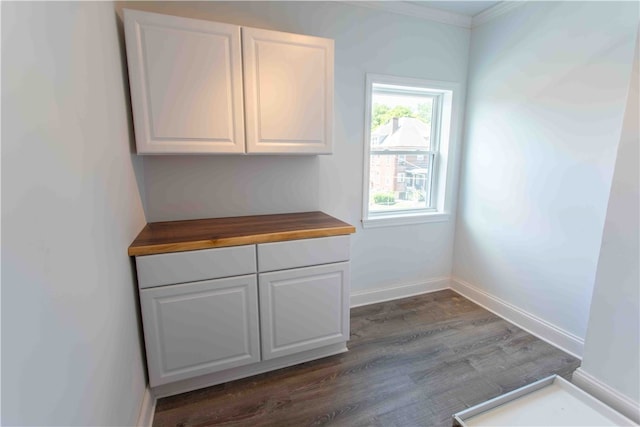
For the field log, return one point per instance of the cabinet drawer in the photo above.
(182, 267)
(301, 253)
(198, 328)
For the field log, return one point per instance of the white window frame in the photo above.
(445, 129)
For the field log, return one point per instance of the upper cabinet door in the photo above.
(186, 84)
(288, 83)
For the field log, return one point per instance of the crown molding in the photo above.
(495, 11)
(423, 12)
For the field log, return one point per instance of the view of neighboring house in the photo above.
(406, 175)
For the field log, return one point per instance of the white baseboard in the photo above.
(606, 394)
(147, 409)
(542, 329)
(373, 296)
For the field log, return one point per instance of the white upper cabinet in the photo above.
(187, 81)
(186, 84)
(288, 82)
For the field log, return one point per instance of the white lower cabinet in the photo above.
(201, 327)
(303, 308)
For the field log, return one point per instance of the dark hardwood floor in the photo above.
(411, 362)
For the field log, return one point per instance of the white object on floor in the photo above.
(552, 401)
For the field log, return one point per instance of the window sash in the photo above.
(403, 90)
(429, 184)
(431, 152)
(402, 152)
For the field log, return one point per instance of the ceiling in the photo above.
(466, 8)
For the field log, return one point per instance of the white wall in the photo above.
(547, 89)
(71, 351)
(612, 346)
(365, 41)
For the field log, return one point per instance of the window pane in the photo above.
(399, 182)
(400, 120)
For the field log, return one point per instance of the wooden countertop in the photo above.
(179, 236)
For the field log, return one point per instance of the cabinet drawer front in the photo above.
(303, 309)
(302, 253)
(198, 328)
(182, 267)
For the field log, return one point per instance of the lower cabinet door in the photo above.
(304, 308)
(197, 328)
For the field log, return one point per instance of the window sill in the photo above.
(392, 221)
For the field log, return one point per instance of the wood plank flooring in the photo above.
(411, 362)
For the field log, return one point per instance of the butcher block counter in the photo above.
(227, 298)
(179, 236)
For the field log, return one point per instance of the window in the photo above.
(408, 136)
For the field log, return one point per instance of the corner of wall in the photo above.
(147, 409)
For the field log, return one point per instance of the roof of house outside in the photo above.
(409, 133)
